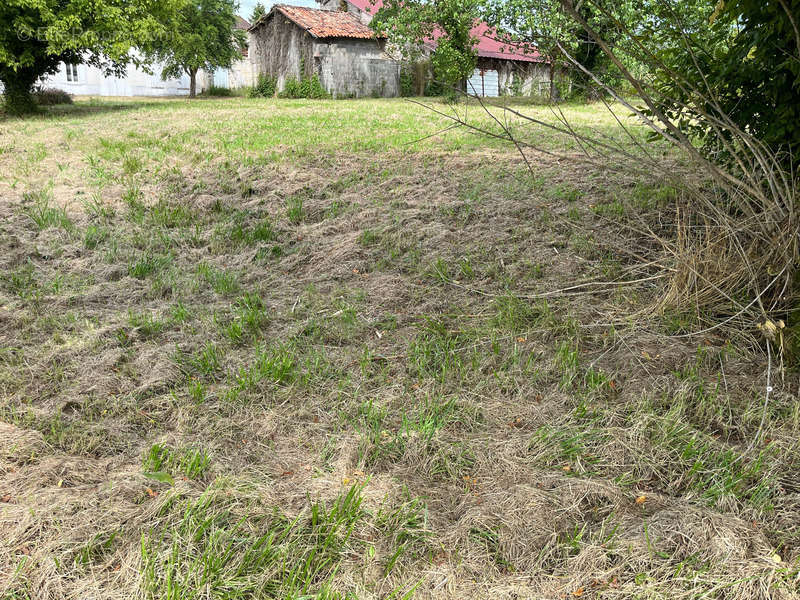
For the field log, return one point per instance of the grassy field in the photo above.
(319, 349)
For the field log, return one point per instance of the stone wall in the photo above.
(280, 49)
(356, 68)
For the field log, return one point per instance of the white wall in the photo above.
(93, 82)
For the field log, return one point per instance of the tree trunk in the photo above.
(17, 91)
(553, 92)
(192, 83)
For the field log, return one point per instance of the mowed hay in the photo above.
(352, 373)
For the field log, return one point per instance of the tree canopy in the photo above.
(259, 10)
(37, 35)
(411, 23)
(202, 36)
(745, 57)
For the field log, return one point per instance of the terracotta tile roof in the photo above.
(326, 23)
(241, 23)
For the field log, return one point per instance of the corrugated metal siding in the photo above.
(221, 78)
(483, 83)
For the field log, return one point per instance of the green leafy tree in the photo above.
(744, 58)
(258, 11)
(545, 26)
(409, 24)
(36, 36)
(534, 25)
(202, 36)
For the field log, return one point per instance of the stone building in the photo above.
(298, 42)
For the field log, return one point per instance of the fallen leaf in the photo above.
(578, 593)
(641, 499)
(346, 480)
(151, 493)
(287, 473)
(566, 468)
(6, 499)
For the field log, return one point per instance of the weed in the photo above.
(170, 215)
(567, 362)
(98, 209)
(368, 238)
(209, 550)
(43, 213)
(489, 540)
(518, 315)
(206, 361)
(439, 270)
(565, 193)
(276, 364)
(180, 313)
(241, 233)
(437, 351)
(132, 197)
(95, 235)
(251, 312)
(22, 281)
(197, 391)
(96, 549)
(465, 268)
(294, 209)
(406, 524)
(131, 164)
(190, 462)
(145, 324)
(147, 264)
(222, 282)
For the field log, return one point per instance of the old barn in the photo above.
(299, 42)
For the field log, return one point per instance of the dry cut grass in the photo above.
(256, 349)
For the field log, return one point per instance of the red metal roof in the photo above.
(326, 23)
(487, 46)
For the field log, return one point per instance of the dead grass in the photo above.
(232, 370)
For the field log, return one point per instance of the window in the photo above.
(72, 72)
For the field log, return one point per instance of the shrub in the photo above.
(304, 88)
(218, 91)
(51, 96)
(265, 88)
